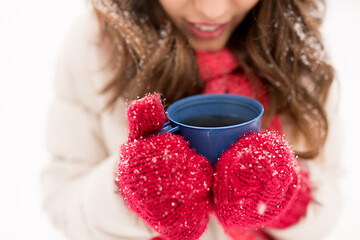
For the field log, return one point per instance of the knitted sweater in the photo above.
(79, 191)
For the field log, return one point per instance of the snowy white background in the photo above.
(30, 35)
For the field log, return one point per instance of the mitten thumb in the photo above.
(145, 116)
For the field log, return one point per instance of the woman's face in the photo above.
(207, 23)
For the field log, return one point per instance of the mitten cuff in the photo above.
(157, 238)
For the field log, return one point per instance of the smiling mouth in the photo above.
(207, 28)
(206, 31)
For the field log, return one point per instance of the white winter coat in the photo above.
(79, 191)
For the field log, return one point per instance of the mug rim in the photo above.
(226, 96)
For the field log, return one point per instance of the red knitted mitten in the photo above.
(297, 208)
(164, 181)
(255, 181)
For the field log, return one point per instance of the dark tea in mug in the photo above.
(213, 120)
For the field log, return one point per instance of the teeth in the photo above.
(207, 28)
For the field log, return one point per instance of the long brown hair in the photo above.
(279, 41)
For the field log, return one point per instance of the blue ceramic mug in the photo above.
(212, 122)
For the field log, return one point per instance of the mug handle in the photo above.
(168, 128)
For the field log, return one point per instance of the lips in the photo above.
(206, 30)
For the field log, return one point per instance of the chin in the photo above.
(207, 46)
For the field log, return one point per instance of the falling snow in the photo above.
(261, 208)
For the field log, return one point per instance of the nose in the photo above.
(212, 9)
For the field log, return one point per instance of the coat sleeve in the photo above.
(325, 172)
(79, 191)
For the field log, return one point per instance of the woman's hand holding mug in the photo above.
(162, 179)
(169, 179)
